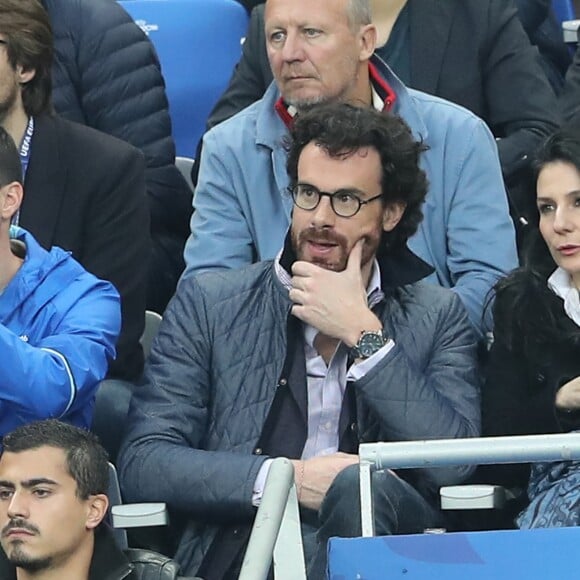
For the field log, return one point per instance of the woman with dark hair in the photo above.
(533, 382)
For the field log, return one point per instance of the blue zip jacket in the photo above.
(58, 328)
(243, 207)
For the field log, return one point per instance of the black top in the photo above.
(535, 352)
(107, 563)
(397, 50)
(85, 192)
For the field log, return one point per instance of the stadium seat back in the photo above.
(198, 43)
(564, 10)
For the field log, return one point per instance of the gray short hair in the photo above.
(358, 13)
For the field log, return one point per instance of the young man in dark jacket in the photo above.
(336, 342)
(106, 75)
(84, 190)
(53, 499)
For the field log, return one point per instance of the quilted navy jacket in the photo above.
(213, 373)
(106, 74)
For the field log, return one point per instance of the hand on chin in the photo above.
(334, 302)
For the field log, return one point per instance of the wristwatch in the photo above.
(369, 342)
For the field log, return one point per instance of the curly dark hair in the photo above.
(341, 129)
(28, 33)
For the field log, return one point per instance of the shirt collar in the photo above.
(561, 284)
(378, 102)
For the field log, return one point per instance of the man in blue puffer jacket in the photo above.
(106, 75)
(58, 323)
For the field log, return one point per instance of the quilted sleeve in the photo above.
(427, 387)
(163, 456)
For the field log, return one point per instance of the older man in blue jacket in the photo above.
(58, 323)
(323, 52)
(336, 342)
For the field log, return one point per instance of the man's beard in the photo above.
(304, 105)
(16, 553)
(20, 559)
(326, 236)
(321, 236)
(7, 105)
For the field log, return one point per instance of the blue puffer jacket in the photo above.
(106, 75)
(58, 328)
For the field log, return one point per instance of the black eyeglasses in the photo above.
(3, 41)
(344, 202)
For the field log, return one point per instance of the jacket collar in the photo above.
(398, 267)
(271, 130)
(45, 179)
(108, 562)
(385, 97)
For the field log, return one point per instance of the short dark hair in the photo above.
(341, 129)
(86, 459)
(10, 165)
(28, 33)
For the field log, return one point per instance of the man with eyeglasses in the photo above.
(322, 52)
(336, 342)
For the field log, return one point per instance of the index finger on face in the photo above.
(355, 256)
(301, 268)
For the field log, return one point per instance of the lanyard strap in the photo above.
(24, 152)
(25, 145)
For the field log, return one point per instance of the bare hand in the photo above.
(335, 303)
(568, 396)
(314, 476)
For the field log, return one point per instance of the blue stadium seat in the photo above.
(114, 397)
(198, 43)
(564, 10)
(539, 554)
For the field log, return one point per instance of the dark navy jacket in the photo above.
(106, 75)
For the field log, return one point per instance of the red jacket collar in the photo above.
(379, 83)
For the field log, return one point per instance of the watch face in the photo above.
(369, 343)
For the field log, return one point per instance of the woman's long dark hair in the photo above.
(526, 312)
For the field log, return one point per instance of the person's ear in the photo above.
(392, 215)
(10, 200)
(25, 75)
(368, 41)
(97, 505)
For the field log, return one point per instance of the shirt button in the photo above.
(353, 427)
(258, 451)
(282, 382)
